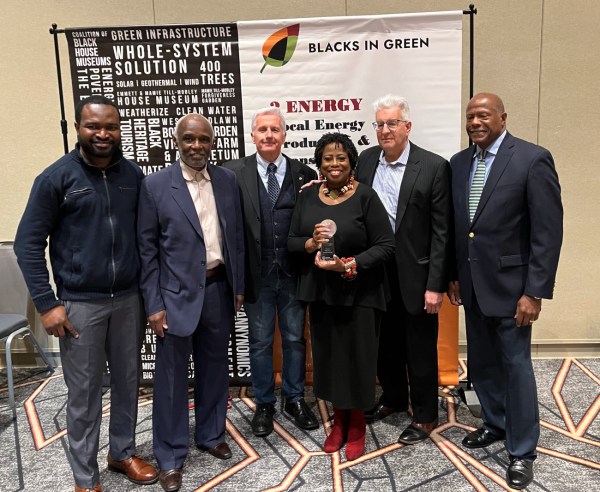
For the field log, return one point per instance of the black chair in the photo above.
(11, 326)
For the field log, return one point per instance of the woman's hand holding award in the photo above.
(328, 248)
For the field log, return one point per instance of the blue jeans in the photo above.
(278, 293)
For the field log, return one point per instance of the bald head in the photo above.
(193, 137)
(493, 100)
(190, 116)
(486, 119)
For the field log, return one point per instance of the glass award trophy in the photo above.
(328, 248)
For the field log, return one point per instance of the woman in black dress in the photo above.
(347, 294)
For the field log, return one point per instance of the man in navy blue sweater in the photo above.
(86, 204)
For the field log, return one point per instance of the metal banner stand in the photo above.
(63, 122)
(465, 386)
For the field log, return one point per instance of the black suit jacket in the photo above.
(423, 222)
(513, 244)
(248, 180)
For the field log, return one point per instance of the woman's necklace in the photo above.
(336, 193)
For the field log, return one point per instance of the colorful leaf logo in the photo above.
(279, 46)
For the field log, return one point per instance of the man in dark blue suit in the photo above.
(508, 233)
(191, 240)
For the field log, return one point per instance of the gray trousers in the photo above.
(109, 330)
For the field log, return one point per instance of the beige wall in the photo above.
(537, 54)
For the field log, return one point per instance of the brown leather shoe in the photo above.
(170, 480)
(417, 432)
(136, 469)
(220, 451)
(97, 488)
(379, 412)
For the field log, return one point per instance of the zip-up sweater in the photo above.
(89, 214)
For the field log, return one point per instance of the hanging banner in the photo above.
(323, 73)
(158, 74)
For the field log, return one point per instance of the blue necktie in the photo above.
(477, 184)
(273, 184)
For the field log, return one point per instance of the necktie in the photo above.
(477, 184)
(273, 187)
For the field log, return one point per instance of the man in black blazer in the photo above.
(269, 183)
(414, 186)
(508, 238)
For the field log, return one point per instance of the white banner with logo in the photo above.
(325, 73)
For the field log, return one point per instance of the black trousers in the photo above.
(407, 364)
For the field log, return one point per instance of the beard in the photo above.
(88, 148)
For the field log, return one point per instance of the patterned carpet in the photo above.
(34, 453)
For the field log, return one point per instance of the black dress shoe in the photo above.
(262, 423)
(303, 416)
(170, 479)
(519, 474)
(379, 412)
(220, 451)
(480, 438)
(417, 432)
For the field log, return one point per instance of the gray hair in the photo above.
(392, 101)
(272, 110)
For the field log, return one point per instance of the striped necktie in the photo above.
(477, 184)
(273, 185)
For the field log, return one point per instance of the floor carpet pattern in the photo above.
(34, 452)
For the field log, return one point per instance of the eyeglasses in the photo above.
(391, 124)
